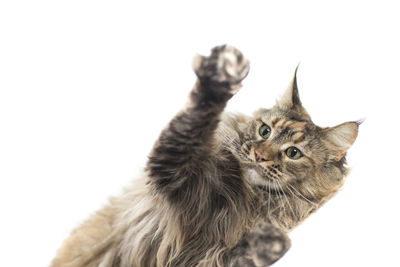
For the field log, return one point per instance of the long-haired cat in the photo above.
(218, 189)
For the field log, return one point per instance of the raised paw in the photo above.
(226, 64)
(262, 247)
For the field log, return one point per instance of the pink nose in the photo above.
(260, 157)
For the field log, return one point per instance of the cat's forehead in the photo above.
(287, 125)
(278, 117)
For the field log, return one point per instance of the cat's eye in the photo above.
(293, 153)
(265, 131)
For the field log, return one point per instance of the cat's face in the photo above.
(284, 151)
(280, 149)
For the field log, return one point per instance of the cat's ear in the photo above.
(341, 137)
(291, 96)
(291, 99)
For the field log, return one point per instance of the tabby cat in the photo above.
(218, 189)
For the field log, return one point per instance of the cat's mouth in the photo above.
(258, 178)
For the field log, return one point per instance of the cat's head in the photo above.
(284, 151)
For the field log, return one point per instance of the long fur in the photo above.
(205, 199)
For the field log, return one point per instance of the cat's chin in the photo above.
(257, 178)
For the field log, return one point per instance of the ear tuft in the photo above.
(291, 99)
(341, 138)
(360, 121)
(291, 96)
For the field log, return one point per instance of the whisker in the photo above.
(234, 145)
(269, 195)
(230, 141)
(293, 194)
(287, 200)
(311, 202)
(280, 197)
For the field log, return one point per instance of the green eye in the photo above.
(293, 153)
(265, 131)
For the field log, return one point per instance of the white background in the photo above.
(87, 86)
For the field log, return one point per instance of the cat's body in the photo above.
(218, 190)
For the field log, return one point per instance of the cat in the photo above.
(218, 189)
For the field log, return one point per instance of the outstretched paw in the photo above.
(226, 64)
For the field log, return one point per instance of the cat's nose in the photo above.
(261, 157)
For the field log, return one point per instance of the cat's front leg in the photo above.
(260, 248)
(187, 142)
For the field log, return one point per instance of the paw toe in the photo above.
(225, 64)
